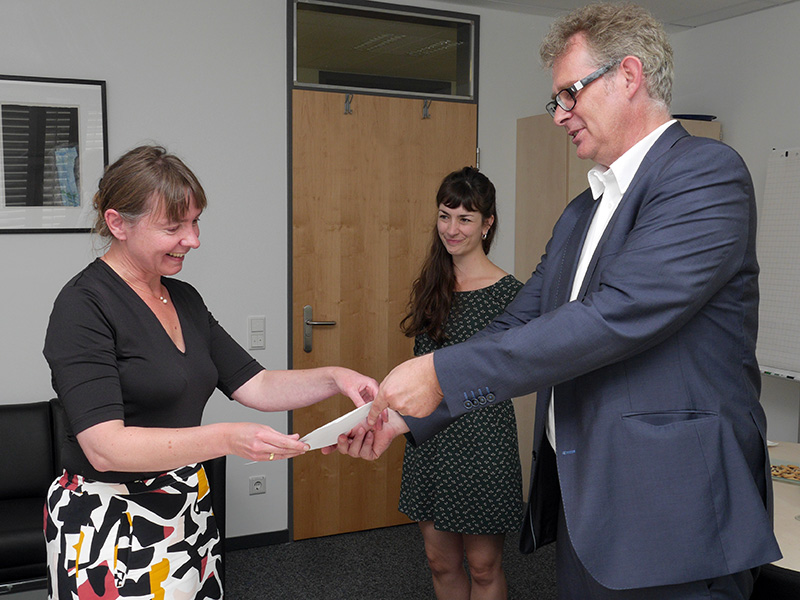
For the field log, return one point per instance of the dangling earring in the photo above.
(484, 235)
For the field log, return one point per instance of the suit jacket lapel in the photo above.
(572, 252)
(673, 133)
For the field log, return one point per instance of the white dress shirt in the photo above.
(609, 185)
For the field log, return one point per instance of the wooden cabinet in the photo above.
(549, 175)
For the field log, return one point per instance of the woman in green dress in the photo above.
(464, 486)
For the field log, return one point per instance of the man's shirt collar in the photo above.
(624, 168)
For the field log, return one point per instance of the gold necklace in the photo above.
(136, 287)
(162, 298)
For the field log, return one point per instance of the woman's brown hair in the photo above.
(137, 176)
(432, 291)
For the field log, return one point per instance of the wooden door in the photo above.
(363, 207)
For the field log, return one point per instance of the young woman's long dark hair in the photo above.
(432, 292)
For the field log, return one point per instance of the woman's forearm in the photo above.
(288, 390)
(111, 446)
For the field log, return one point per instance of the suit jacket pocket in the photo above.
(669, 417)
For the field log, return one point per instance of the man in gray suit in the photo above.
(638, 332)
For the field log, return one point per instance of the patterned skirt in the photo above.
(155, 538)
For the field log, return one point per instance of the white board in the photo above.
(778, 247)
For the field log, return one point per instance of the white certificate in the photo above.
(328, 435)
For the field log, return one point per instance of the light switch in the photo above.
(257, 332)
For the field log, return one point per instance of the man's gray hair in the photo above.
(612, 32)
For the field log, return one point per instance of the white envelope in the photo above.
(328, 435)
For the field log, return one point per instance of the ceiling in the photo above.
(676, 15)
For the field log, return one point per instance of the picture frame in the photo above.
(53, 151)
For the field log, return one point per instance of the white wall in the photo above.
(207, 79)
(744, 71)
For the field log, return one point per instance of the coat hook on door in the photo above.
(347, 99)
(426, 104)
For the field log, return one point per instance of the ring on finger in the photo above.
(271, 455)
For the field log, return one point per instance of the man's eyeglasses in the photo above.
(566, 97)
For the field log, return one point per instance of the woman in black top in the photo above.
(134, 356)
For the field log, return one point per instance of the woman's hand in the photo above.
(261, 442)
(359, 388)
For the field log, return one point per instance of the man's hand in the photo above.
(369, 444)
(411, 388)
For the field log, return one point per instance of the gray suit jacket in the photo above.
(661, 456)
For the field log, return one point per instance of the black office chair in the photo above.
(26, 471)
(776, 583)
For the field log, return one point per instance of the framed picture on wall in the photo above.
(53, 149)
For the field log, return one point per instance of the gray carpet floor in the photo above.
(380, 564)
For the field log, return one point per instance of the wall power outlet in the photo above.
(258, 484)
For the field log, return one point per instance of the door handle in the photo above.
(308, 327)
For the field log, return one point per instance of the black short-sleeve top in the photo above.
(110, 358)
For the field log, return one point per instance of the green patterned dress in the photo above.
(467, 478)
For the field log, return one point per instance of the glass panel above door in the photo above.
(383, 48)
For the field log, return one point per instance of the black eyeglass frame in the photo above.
(576, 87)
